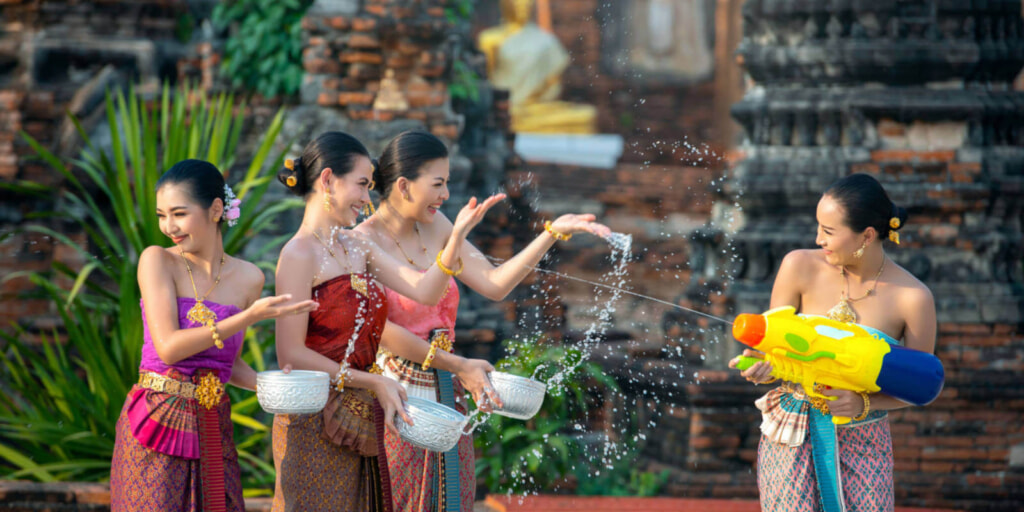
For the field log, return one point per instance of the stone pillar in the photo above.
(919, 94)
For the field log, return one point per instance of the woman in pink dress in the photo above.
(174, 449)
(413, 182)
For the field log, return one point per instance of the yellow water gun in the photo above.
(813, 350)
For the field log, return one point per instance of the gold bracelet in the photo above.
(216, 335)
(430, 357)
(339, 378)
(558, 235)
(867, 406)
(446, 270)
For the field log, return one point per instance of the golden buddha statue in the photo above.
(390, 96)
(529, 62)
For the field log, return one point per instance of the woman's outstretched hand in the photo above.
(270, 307)
(572, 223)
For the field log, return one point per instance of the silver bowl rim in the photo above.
(296, 376)
(456, 418)
(513, 378)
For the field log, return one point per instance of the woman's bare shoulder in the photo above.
(909, 286)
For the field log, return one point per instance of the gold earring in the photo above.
(859, 253)
(368, 209)
(327, 201)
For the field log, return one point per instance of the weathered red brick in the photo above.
(360, 58)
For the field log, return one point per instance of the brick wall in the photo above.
(346, 55)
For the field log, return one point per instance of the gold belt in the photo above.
(208, 391)
(798, 392)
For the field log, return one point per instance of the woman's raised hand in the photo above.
(572, 223)
(473, 213)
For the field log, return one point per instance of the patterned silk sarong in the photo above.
(417, 475)
(313, 474)
(787, 480)
(142, 478)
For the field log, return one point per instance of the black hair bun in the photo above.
(293, 177)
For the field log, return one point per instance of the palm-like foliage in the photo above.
(59, 405)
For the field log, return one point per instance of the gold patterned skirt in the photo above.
(316, 475)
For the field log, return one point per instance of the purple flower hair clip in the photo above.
(231, 206)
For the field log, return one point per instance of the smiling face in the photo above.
(835, 238)
(183, 220)
(349, 193)
(428, 192)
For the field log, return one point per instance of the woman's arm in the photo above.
(428, 287)
(918, 308)
(242, 375)
(294, 277)
(159, 295)
(786, 291)
(471, 372)
(495, 282)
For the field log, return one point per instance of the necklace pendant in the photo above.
(359, 285)
(201, 314)
(842, 312)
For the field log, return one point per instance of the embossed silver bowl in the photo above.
(522, 396)
(436, 427)
(298, 392)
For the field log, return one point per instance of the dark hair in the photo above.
(866, 204)
(201, 179)
(336, 150)
(405, 156)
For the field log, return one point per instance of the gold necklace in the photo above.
(394, 238)
(200, 313)
(358, 283)
(842, 312)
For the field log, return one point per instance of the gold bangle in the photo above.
(216, 335)
(446, 270)
(556, 234)
(430, 357)
(867, 406)
(339, 378)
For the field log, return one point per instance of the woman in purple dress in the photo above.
(174, 449)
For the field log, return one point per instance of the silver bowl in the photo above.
(298, 392)
(436, 427)
(522, 396)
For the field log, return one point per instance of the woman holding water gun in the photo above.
(804, 462)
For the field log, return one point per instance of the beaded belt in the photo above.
(208, 392)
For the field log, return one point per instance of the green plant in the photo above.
(459, 11)
(60, 403)
(464, 82)
(536, 455)
(264, 51)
